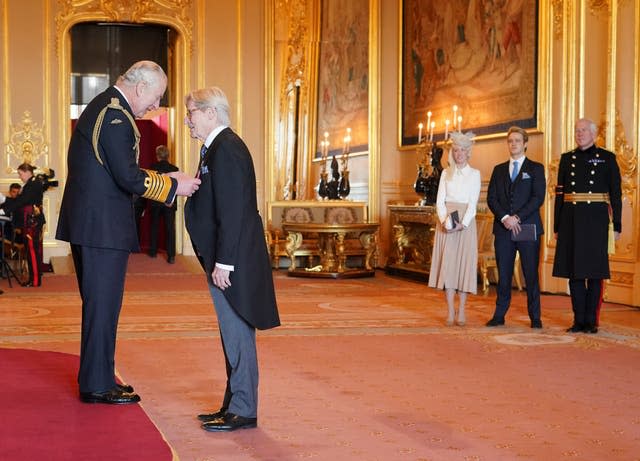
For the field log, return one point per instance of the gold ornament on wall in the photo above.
(625, 156)
(557, 17)
(26, 144)
(597, 7)
(174, 12)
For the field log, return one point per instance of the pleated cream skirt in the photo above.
(454, 261)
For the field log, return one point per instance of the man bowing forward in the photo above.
(228, 238)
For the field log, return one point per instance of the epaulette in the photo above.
(115, 104)
(157, 186)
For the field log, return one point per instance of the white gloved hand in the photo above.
(3, 198)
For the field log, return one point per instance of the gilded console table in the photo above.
(412, 231)
(334, 245)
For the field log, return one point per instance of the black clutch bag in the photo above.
(455, 218)
(527, 233)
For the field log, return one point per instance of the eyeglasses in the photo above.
(191, 111)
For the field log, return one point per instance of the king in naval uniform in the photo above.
(97, 216)
(588, 199)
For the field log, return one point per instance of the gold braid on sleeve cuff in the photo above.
(157, 186)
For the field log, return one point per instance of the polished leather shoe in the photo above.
(590, 329)
(171, 260)
(230, 422)
(125, 388)
(494, 322)
(536, 324)
(206, 417)
(113, 397)
(574, 329)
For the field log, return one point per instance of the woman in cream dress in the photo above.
(454, 260)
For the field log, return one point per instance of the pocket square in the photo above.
(115, 121)
(525, 175)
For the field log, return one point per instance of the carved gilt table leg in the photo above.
(370, 244)
(294, 240)
(342, 257)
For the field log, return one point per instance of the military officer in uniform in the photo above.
(588, 198)
(97, 216)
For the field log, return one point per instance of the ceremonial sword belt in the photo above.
(586, 197)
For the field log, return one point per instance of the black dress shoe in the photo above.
(171, 260)
(125, 388)
(536, 324)
(574, 329)
(230, 422)
(206, 417)
(590, 329)
(113, 396)
(494, 322)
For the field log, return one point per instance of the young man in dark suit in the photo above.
(516, 193)
(228, 238)
(97, 216)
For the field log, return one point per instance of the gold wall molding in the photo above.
(173, 12)
(597, 7)
(621, 278)
(557, 18)
(26, 144)
(625, 156)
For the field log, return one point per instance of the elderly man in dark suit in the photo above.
(97, 216)
(228, 238)
(516, 193)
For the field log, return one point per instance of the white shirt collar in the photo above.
(213, 135)
(520, 160)
(123, 95)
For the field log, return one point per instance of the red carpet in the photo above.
(39, 403)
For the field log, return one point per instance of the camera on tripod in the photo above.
(46, 178)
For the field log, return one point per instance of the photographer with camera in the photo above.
(29, 219)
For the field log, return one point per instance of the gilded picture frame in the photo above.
(477, 55)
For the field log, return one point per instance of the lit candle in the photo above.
(428, 119)
(460, 123)
(446, 129)
(420, 132)
(455, 113)
(433, 125)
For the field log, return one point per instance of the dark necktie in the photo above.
(203, 151)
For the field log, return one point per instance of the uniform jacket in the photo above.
(163, 166)
(97, 205)
(522, 197)
(224, 224)
(582, 227)
(30, 195)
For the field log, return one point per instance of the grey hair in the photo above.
(212, 97)
(592, 125)
(143, 71)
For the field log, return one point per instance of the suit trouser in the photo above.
(239, 345)
(169, 220)
(101, 274)
(529, 259)
(586, 295)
